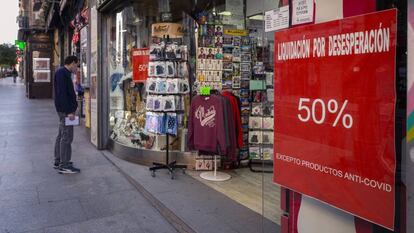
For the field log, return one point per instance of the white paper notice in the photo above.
(68, 122)
(302, 11)
(277, 19)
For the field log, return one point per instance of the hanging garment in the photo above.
(206, 129)
(237, 116)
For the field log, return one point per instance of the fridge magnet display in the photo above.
(245, 57)
(228, 75)
(258, 68)
(245, 40)
(270, 95)
(219, 65)
(268, 109)
(257, 109)
(245, 111)
(210, 54)
(228, 49)
(209, 64)
(236, 93)
(218, 42)
(267, 137)
(236, 69)
(245, 67)
(245, 48)
(227, 57)
(245, 75)
(244, 93)
(255, 123)
(227, 40)
(201, 53)
(254, 152)
(200, 76)
(237, 54)
(228, 66)
(236, 82)
(219, 53)
(210, 30)
(267, 153)
(255, 137)
(245, 102)
(268, 123)
(269, 78)
(219, 30)
(245, 84)
(217, 76)
(227, 84)
(236, 41)
(245, 119)
(201, 63)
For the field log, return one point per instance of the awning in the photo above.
(62, 5)
(50, 16)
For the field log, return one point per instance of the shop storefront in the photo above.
(166, 69)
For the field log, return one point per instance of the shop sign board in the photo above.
(173, 30)
(335, 113)
(236, 32)
(302, 11)
(140, 60)
(277, 19)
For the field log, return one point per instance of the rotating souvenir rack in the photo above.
(166, 89)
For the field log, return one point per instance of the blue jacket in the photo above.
(65, 97)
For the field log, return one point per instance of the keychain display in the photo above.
(254, 152)
(255, 137)
(267, 137)
(255, 123)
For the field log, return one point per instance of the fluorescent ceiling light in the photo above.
(257, 17)
(225, 13)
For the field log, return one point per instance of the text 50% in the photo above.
(316, 111)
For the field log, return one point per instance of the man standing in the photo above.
(66, 105)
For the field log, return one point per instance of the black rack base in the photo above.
(171, 167)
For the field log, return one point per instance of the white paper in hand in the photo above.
(68, 122)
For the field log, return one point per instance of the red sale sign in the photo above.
(140, 60)
(334, 113)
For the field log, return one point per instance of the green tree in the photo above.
(7, 55)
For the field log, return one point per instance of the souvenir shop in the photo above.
(193, 83)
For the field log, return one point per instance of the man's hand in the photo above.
(71, 116)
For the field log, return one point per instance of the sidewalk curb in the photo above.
(169, 215)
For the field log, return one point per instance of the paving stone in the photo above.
(120, 223)
(35, 217)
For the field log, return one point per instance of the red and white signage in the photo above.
(140, 60)
(334, 113)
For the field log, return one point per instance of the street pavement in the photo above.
(110, 195)
(34, 198)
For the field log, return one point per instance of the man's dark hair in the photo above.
(70, 59)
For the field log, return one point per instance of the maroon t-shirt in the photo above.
(206, 131)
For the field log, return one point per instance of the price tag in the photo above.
(205, 90)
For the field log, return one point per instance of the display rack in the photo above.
(215, 175)
(170, 166)
(168, 63)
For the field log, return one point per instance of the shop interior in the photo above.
(214, 48)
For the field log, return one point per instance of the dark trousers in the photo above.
(63, 148)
